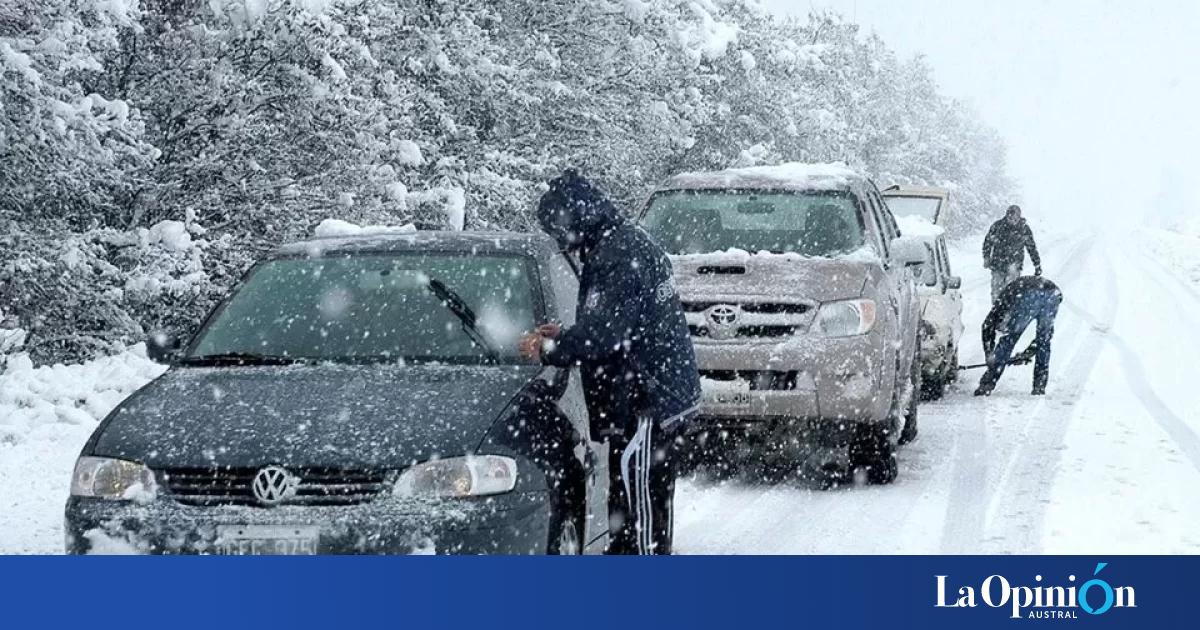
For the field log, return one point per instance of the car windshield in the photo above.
(926, 207)
(704, 221)
(377, 308)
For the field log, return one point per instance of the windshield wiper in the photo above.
(465, 315)
(240, 358)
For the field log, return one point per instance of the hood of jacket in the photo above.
(576, 213)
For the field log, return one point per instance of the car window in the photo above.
(927, 207)
(885, 241)
(376, 307)
(945, 256)
(566, 288)
(889, 219)
(817, 223)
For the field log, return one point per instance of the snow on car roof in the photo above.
(919, 227)
(521, 242)
(787, 176)
(915, 191)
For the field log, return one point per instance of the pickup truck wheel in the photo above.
(873, 455)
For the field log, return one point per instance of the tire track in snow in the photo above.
(1133, 368)
(970, 501)
(1019, 509)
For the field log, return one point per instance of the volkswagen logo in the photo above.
(723, 315)
(274, 485)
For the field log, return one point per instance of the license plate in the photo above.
(728, 394)
(267, 540)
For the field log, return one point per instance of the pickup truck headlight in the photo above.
(113, 479)
(470, 476)
(846, 318)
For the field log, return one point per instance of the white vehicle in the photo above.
(933, 204)
(939, 290)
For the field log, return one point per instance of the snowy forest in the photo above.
(150, 150)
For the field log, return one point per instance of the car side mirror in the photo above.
(909, 251)
(953, 282)
(163, 347)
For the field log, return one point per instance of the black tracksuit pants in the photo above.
(641, 492)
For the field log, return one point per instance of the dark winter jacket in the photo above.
(630, 338)
(1006, 242)
(1014, 296)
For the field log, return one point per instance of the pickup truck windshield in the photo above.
(453, 307)
(704, 221)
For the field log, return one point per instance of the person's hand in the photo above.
(530, 346)
(1037, 271)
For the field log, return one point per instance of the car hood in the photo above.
(715, 277)
(319, 416)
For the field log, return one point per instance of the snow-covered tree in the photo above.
(129, 125)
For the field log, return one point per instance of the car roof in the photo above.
(530, 244)
(915, 191)
(792, 176)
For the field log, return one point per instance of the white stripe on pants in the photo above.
(639, 454)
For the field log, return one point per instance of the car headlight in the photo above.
(846, 318)
(470, 476)
(113, 479)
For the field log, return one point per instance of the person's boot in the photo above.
(1039, 390)
(983, 390)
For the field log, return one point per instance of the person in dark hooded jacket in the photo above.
(1004, 250)
(632, 345)
(1024, 301)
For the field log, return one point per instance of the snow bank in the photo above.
(82, 394)
(735, 256)
(337, 227)
(920, 227)
(790, 175)
(46, 415)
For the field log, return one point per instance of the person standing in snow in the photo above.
(1004, 250)
(632, 346)
(1024, 300)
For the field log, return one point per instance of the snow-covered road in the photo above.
(1108, 462)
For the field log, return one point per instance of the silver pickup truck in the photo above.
(799, 292)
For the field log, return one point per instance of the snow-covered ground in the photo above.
(1106, 463)
(46, 415)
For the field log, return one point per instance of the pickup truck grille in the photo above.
(233, 486)
(726, 321)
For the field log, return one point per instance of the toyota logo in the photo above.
(723, 315)
(274, 485)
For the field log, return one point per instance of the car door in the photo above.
(954, 302)
(593, 454)
(903, 285)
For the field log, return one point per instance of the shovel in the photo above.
(1025, 358)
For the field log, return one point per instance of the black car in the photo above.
(357, 395)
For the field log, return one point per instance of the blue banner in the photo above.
(598, 592)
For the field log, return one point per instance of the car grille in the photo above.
(232, 486)
(750, 332)
(756, 320)
(766, 308)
